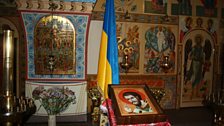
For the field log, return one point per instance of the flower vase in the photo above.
(51, 120)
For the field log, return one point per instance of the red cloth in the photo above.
(112, 118)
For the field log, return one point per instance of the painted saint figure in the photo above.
(141, 106)
(196, 61)
(160, 39)
(199, 23)
(211, 29)
(185, 27)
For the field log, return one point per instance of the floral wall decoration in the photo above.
(125, 5)
(129, 44)
(160, 41)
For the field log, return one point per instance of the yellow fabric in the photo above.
(104, 76)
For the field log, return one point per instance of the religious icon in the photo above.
(54, 46)
(160, 43)
(134, 102)
(197, 66)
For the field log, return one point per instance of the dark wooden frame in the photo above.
(135, 118)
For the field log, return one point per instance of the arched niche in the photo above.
(54, 46)
(4, 21)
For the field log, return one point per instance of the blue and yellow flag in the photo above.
(108, 69)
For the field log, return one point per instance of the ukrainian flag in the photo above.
(108, 69)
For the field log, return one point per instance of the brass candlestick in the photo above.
(13, 111)
(165, 65)
(95, 94)
(125, 64)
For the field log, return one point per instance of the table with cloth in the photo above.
(113, 122)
